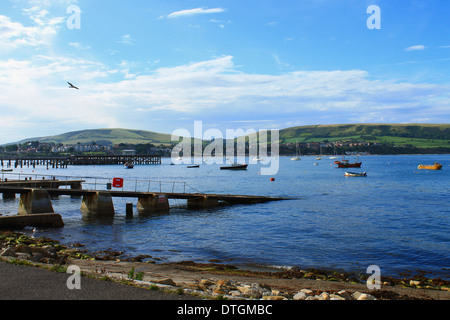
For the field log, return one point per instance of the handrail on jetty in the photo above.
(35, 191)
(96, 183)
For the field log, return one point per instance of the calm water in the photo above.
(397, 217)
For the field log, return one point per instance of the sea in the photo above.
(397, 217)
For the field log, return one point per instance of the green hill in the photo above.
(106, 137)
(416, 135)
(419, 135)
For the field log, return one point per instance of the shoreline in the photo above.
(214, 280)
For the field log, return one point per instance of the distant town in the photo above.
(350, 147)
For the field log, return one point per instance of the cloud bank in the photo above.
(214, 91)
(194, 12)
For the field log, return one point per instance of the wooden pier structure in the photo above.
(63, 162)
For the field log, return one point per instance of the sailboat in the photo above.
(295, 158)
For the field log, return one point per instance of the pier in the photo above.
(63, 162)
(35, 199)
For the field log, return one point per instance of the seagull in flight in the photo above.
(72, 86)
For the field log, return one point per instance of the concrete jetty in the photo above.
(98, 202)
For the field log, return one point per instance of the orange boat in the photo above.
(434, 166)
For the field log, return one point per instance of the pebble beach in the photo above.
(215, 280)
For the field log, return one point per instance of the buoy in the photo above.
(272, 179)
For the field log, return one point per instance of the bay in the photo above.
(396, 218)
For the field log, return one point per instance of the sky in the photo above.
(163, 65)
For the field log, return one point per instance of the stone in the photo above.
(204, 284)
(250, 291)
(365, 296)
(300, 296)
(275, 298)
(356, 294)
(167, 281)
(307, 291)
(336, 297)
(8, 252)
(313, 298)
(235, 293)
(344, 294)
(325, 295)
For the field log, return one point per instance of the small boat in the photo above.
(315, 164)
(355, 174)
(235, 166)
(295, 158)
(194, 166)
(257, 159)
(7, 170)
(434, 166)
(319, 158)
(344, 163)
(128, 165)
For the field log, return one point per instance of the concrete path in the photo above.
(34, 283)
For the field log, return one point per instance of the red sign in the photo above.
(117, 182)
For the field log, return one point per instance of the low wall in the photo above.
(41, 220)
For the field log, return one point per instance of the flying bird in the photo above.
(72, 86)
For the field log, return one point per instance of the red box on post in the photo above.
(117, 182)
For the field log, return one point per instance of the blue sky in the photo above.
(161, 65)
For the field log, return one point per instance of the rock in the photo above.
(25, 256)
(325, 295)
(313, 298)
(43, 252)
(250, 292)
(356, 294)
(307, 291)
(365, 296)
(336, 297)
(204, 284)
(8, 252)
(167, 281)
(274, 298)
(235, 293)
(344, 294)
(414, 283)
(23, 248)
(300, 296)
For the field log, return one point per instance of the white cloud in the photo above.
(193, 12)
(126, 39)
(213, 90)
(416, 48)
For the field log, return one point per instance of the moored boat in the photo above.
(355, 174)
(434, 166)
(346, 164)
(128, 165)
(235, 166)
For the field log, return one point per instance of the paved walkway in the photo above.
(34, 283)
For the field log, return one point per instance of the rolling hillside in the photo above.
(106, 137)
(419, 135)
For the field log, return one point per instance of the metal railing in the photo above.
(101, 183)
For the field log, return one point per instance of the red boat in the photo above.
(345, 164)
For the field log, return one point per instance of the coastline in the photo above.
(215, 280)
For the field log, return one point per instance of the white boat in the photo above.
(257, 159)
(355, 174)
(295, 158)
